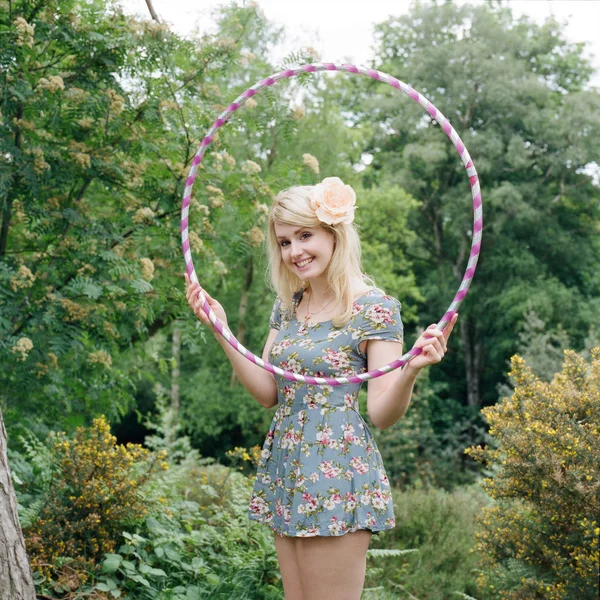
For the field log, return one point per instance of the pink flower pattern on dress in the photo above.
(320, 471)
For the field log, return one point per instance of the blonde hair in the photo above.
(292, 207)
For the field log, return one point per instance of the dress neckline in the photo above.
(298, 297)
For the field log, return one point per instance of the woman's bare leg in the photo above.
(333, 568)
(288, 566)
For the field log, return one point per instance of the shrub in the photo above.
(439, 527)
(201, 545)
(94, 495)
(540, 540)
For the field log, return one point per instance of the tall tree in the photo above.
(515, 92)
(100, 117)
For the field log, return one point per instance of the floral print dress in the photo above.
(320, 472)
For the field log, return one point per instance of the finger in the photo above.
(212, 304)
(431, 333)
(421, 341)
(448, 329)
(201, 289)
(197, 291)
(441, 338)
(190, 289)
(435, 345)
(189, 292)
(199, 301)
(432, 354)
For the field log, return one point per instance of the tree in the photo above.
(16, 581)
(515, 92)
(94, 149)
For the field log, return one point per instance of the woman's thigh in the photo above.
(288, 566)
(333, 567)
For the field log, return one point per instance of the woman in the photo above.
(321, 484)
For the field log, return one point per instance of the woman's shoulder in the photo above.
(377, 296)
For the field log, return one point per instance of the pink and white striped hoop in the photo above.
(462, 152)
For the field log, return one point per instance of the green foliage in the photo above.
(93, 493)
(187, 554)
(435, 533)
(425, 448)
(515, 92)
(540, 539)
(94, 159)
(386, 238)
(114, 525)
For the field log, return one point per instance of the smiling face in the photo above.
(305, 251)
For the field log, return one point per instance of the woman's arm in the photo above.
(388, 396)
(260, 383)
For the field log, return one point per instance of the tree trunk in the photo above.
(472, 353)
(16, 581)
(243, 307)
(152, 11)
(6, 212)
(175, 352)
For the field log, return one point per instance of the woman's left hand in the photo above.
(433, 342)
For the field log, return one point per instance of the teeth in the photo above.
(304, 262)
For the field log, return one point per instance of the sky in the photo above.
(342, 30)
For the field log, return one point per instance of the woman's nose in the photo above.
(296, 250)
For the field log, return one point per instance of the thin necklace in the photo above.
(309, 314)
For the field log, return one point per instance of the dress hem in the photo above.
(374, 530)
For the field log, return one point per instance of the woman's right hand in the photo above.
(192, 295)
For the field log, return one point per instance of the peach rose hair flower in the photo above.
(333, 201)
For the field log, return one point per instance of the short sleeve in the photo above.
(275, 319)
(379, 319)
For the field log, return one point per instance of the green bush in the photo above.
(95, 492)
(111, 521)
(439, 528)
(540, 540)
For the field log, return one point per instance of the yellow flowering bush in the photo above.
(246, 460)
(540, 539)
(95, 495)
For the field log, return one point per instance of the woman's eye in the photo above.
(303, 236)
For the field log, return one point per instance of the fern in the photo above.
(141, 286)
(85, 286)
(384, 552)
(38, 453)
(28, 515)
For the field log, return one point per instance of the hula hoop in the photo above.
(477, 216)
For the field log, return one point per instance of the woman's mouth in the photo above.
(303, 264)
